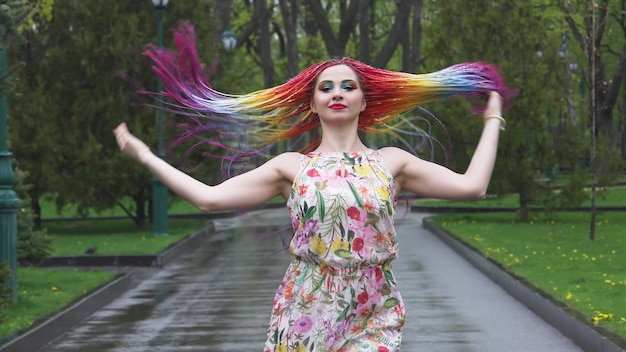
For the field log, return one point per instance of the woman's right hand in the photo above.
(131, 145)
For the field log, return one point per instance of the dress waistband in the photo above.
(355, 270)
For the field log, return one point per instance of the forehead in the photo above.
(337, 73)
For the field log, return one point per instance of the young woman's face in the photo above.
(338, 95)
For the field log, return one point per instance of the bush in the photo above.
(33, 246)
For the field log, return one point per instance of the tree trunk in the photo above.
(36, 208)
(289, 12)
(221, 12)
(399, 29)
(365, 43)
(264, 43)
(335, 47)
(523, 206)
(416, 37)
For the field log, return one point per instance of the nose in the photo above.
(337, 94)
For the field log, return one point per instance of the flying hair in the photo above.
(283, 112)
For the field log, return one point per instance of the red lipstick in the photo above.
(337, 106)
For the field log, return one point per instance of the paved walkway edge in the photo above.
(568, 321)
(44, 333)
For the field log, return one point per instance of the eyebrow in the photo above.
(343, 81)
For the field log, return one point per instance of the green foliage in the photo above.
(62, 129)
(12, 13)
(573, 193)
(491, 34)
(610, 165)
(5, 290)
(33, 246)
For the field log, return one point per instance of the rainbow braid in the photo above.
(283, 112)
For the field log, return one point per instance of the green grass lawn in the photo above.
(44, 292)
(116, 236)
(557, 256)
(176, 206)
(614, 197)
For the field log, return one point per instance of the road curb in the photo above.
(570, 322)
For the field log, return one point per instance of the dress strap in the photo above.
(375, 155)
(303, 161)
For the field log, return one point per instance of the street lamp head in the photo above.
(229, 39)
(573, 65)
(160, 4)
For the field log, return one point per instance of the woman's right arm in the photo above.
(246, 190)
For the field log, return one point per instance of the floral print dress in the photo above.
(339, 293)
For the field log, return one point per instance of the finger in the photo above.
(121, 128)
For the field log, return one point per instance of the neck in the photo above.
(340, 141)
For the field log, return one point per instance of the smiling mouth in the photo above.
(337, 106)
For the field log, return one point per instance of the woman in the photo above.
(338, 293)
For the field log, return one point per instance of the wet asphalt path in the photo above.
(218, 298)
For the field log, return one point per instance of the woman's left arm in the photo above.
(435, 181)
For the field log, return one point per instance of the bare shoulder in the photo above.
(287, 164)
(397, 159)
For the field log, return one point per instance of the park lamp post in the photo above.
(159, 191)
(229, 39)
(9, 203)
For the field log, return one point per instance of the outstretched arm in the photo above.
(435, 181)
(243, 191)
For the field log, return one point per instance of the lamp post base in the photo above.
(159, 207)
(9, 204)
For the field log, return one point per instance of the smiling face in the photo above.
(338, 95)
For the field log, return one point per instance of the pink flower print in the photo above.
(357, 244)
(329, 333)
(360, 246)
(376, 279)
(303, 325)
(366, 300)
(299, 240)
(354, 213)
(334, 333)
(341, 173)
(310, 227)
(379, 273)
(363, 297)
(337, 178)
(313, 173)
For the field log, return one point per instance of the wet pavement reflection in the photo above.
(218, 298)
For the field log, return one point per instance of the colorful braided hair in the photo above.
(283, 112)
